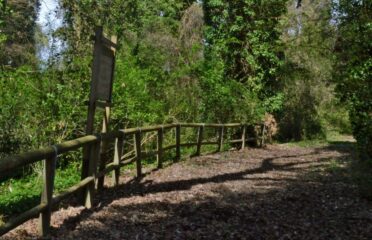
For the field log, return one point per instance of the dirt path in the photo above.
(280, 192)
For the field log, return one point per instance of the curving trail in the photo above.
(280, 192)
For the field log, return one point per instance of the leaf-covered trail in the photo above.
(280, 192)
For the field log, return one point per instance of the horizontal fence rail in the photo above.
(88, 185)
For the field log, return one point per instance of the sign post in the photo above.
(101, 91)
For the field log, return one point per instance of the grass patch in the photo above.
(335, 166)
(18, 195)
(332, 137)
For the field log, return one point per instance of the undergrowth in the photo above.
(21, 194)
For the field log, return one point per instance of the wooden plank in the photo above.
(197, 125)
(159, 156)
(148, 129)
(169, 147)
(200, 140)
(189, 144)
(236, 141)
(229, 125)
(196, 144)
(128, 155)
(24, 217)
(110, 167)
(119, 143)
(209, 143)
(20, 160)
(49, 168)
(156, 128)
(137, 140)
(76, 144)
(178, 142)
(149, 154)
(128, 161)
(74, 189)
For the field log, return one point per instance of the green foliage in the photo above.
(19, 195)
(308, 38)
(4, 11)
(17, 29)
(245, 34)
(132, 92)
(353, 66)
(243, 58)
(37, 109)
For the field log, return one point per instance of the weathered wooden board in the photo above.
(105, 74)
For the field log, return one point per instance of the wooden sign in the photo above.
(105, 75)
(103, 68)
(100, 92)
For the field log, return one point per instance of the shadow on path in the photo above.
(275, 194)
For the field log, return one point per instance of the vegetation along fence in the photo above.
(93, 146)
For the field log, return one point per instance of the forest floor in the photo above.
(280, 192)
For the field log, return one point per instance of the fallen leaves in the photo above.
(274, 193)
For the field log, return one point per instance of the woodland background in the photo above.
(306, 62)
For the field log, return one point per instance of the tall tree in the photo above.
(18, 26)
(244, 34)
(248, 33)
(308, 37)
(353, 66)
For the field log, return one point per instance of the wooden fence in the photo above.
(87, 186)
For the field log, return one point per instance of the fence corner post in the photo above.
(200, 140)
(137, 140)
(119, 142)
(262, 143)
(178, 142)
(220, 138)
(159, 156)
(49, 168)
(244, 130)
(94, 157)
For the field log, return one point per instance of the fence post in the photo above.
(137, 140)
(104, 146)
(244, 129)
(94, 157)
(178, 142)
(119, 142)
(159, 156)
(263, 135)
(49, 168)
(220, 138)
(200, 140)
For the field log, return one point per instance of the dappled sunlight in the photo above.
(251, 194)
